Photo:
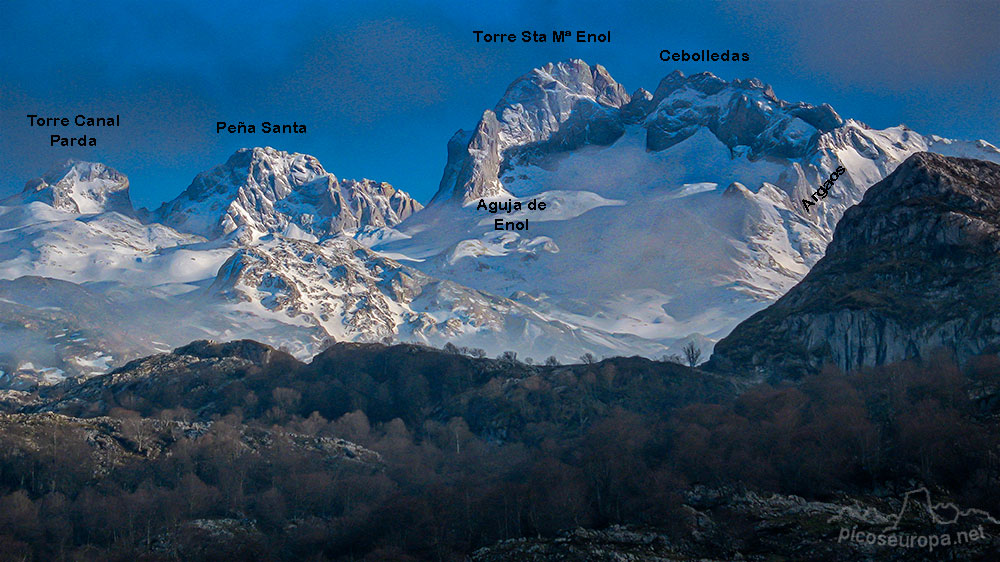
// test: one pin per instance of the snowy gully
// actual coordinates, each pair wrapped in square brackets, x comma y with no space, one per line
[824,189]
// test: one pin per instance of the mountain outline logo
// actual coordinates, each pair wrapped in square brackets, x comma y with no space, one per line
[935,510]
[941,513]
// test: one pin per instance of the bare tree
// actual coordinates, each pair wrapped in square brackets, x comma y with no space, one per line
[136,430]
[551,361]
[692,353]
[588,358]
[508,357]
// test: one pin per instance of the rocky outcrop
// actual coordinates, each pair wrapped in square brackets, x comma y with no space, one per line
[75,186]
[116,441]
[911,269]
[732,524]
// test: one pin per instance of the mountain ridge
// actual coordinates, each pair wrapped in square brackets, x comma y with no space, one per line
[78,187]
[671,216]
[266,190]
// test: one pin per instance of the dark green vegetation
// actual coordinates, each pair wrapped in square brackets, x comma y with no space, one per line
[238,451]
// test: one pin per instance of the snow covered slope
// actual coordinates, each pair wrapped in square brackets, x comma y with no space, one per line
[671,215]
[266,250]
[51,329]
[355,294]
[76,223]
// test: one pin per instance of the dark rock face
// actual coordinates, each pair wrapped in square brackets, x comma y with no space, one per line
[911,269]
[248,350]
[638,107]
[823,117]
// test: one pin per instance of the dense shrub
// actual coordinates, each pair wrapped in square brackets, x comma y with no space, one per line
[470,458]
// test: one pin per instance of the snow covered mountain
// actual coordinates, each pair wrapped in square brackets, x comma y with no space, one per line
[264,248]
[77,223]
[258,191]
[670,215]
[78,187]
[263,190]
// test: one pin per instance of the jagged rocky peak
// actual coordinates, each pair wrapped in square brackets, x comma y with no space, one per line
[558,107]
[556,86]
[705,82]
[911,269]
[392,204]
[263,190]
[277,173]
[639,105]
[564,106]
[709,84]
[739,113]
[79,187]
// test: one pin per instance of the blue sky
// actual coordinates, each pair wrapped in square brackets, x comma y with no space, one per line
[383,86]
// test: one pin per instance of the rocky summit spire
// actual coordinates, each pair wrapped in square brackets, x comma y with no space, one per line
[265,190]
[559,106]
[79,187]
